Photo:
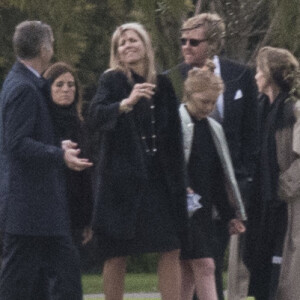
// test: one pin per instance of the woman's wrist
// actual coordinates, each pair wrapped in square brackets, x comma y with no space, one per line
[125,107]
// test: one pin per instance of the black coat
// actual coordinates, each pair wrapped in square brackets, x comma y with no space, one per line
[120,171]
[32,184]
[267,213]
[68,126]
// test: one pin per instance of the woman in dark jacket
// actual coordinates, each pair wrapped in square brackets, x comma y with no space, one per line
[139,187]
[268,214]
[65,109]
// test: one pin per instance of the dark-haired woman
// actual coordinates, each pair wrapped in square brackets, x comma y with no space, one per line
[65,108]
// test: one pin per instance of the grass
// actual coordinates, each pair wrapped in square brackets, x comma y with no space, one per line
[134,283]
[125,299]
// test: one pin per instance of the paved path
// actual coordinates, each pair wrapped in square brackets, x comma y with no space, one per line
[132,295]
[128,295]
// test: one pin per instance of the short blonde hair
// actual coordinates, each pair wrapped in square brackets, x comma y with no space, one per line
[214,30]
[201,80]
[115,62]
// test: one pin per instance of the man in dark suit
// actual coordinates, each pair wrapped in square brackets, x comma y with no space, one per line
[33,205]
[202,38]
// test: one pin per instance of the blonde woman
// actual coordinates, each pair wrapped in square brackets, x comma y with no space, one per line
[139,185]
[210,175]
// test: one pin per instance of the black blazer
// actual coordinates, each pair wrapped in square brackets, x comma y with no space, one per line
[240,121]
[120,171]
[32,186]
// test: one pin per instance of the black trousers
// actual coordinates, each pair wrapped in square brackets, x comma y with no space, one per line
[27,259]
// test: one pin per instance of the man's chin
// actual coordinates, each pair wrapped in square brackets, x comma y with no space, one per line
[189,60]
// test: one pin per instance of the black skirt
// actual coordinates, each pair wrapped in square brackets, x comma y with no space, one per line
[201,239]
[155,229]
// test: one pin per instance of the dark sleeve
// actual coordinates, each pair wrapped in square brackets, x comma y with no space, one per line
[103,112]
[20,118]
[86,201]
[173,150]
[174,139]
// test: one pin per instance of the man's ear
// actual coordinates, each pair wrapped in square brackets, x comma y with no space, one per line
[43,51]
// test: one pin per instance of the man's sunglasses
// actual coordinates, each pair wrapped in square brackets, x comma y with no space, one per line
[193,42]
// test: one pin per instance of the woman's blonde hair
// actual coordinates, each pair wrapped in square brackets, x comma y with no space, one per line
[116,63]
[281,67]
[201,80]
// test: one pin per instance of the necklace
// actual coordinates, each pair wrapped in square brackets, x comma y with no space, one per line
[153,149]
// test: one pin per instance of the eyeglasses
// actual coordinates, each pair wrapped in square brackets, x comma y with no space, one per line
[193,42]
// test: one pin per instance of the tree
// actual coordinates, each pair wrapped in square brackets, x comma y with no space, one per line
[83,28]
[253,24]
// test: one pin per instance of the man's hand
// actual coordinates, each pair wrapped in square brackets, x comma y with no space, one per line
[75,163]
[236,226]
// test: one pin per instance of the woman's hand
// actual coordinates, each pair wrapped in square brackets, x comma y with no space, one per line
[87,235]
[236,226]
[189,190]
[140,90]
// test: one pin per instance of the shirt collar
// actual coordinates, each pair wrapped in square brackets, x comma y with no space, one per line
[35,72]
[216,61]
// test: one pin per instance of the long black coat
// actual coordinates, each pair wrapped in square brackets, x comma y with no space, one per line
[267,212]
[120,170]
[68,126]
[32,183]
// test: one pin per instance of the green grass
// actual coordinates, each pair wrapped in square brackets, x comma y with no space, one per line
[126,299]
[134,283]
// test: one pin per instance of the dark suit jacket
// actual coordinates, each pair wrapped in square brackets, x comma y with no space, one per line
[120,172]
[32,187]
[240,115]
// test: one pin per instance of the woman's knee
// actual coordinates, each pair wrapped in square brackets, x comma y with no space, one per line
[115,263]
[204,265]
[171,255]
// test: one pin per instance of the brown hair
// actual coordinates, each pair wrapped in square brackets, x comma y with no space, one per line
[58,69]
[281,67]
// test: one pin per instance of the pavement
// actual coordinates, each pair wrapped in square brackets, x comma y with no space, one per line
[132,295]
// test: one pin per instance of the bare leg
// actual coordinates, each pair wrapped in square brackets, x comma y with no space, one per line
[187,280]
[169,275]
[204,274]
[114,277]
